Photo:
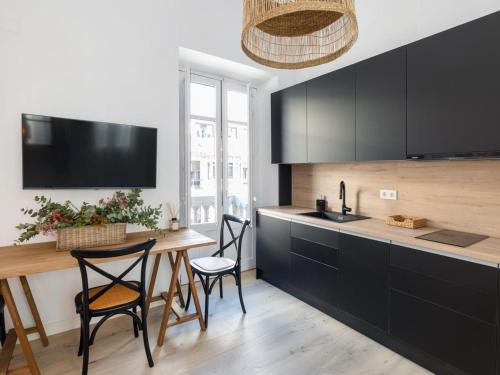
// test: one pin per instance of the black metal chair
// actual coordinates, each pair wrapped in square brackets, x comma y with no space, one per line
[118,297]
[3,332]
[218,266]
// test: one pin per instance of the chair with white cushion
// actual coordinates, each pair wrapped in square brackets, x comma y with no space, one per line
[217,265]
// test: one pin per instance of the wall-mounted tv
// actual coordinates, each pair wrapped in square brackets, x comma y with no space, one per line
[60,153]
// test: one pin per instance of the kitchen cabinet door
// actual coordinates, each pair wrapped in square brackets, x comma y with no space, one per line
[272,250]
[445,307]
[364,279]
[466,287]
[314,282]
[381,107]
[331,117]
[453,88]
[289,125]
[314,265]
[465,343]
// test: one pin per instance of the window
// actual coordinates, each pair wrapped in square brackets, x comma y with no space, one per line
[195,174]
[237,191]
[204,122]
[245,174]
[204,130]
[212,174]
[216,152]
[232,132]
[203,100]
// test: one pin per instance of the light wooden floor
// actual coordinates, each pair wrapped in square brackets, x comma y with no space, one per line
[278,335]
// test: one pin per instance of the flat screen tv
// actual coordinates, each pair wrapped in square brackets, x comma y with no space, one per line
[60,153]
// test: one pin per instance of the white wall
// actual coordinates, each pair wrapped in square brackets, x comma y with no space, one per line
[116,61]
[100,60]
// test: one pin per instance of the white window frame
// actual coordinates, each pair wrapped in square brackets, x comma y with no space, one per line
[228,85]
[221,164]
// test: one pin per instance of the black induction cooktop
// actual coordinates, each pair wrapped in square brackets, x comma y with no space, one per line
[451,237]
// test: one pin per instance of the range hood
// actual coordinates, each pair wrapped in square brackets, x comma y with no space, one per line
[482,155]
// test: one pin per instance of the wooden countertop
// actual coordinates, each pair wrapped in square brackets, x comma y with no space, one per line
[29,259]
[486,252]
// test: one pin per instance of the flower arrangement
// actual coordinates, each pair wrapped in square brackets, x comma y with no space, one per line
[122,207]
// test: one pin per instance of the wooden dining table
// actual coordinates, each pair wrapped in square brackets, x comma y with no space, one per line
[22,261]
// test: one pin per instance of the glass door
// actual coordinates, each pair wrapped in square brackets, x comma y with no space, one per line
[236,190]
[215,156]
[204,156]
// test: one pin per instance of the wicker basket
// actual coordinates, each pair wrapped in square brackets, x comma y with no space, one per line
[91,236]
[410,222]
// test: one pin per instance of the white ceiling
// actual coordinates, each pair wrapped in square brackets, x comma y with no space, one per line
[214,27]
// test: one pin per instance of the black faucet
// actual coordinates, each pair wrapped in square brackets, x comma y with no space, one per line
[345,209]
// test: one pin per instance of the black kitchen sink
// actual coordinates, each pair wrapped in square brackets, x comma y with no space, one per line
[337,217]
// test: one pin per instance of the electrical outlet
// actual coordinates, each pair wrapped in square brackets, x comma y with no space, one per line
[389,195]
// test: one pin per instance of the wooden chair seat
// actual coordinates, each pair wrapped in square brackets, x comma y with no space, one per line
[118,295]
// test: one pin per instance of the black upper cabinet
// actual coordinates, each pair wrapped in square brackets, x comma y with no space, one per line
[381,107]
[435,98]
[454,90]
[331,117]
[276,127]
[289,125]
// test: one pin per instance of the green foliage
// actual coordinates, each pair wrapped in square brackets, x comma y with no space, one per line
[120,208]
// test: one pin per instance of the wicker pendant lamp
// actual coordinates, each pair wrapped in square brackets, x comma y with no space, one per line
[295,34]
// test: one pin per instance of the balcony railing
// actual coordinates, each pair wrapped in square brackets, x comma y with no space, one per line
[203,209]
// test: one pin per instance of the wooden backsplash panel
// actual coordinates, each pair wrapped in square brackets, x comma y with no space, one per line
[461,195]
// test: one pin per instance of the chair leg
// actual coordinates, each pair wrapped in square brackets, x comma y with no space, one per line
[85,344]
[238,281]
[134,323]
[80,347]
[3,335]
[99,324]
[188,300]
[220,287]
[144,325]
[207,298]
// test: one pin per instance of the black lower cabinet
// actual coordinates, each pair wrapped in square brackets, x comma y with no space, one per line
[446,308]
[364,279]
[438,311]
[272,250]
[314,282]
[465,343]
[314,266]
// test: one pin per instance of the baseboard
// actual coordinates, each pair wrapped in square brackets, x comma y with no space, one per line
[247,264]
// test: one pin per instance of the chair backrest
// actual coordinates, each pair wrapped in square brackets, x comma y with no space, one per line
[236,240]
[83,254]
